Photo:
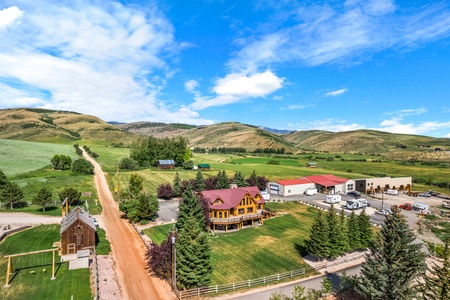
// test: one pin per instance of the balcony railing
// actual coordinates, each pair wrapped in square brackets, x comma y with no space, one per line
[237,219]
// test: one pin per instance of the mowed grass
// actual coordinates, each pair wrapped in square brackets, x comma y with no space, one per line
[29,280]
[158,233]
[275,247]
[19,157]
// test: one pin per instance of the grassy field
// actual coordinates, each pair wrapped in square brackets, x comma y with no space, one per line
[158,233]
[29,280]
[275,247]
[18,157]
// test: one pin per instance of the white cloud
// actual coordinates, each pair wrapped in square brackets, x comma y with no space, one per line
[9,16]
[296,106]
[99,58]
[336,93]
[191,85]
[395,125]
[327,125]
[335,33]
[238,86]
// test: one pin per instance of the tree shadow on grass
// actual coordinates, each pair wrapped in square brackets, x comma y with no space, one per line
[301,249]
[47,209]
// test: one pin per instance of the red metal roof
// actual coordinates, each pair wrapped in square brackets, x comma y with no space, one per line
[294,181]
[231,197]
[327,180]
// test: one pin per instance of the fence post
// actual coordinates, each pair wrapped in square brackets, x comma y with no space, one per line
[278,277]
[233,286]
[216,289]
[249,285]
[291,274]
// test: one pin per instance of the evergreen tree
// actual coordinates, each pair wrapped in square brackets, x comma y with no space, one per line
[190,208]
[252,180]
[11,193]
[147,206]
[365,229]
[222,181]
[318,244]
[437,283]
[353,232]
[43,197]
[238,179]
[72,195]
[135,184]
[394,261]
[344,239]
[3,179]
[334,233]
[193,256]
[199,182]
[177,185]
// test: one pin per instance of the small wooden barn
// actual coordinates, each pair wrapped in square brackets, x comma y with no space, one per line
[77,232]
[166,164]
[204,167]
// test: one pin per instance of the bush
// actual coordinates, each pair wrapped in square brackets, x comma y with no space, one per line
[188,165]
[165,191]
[102,247]
[128,163]
[82,166]
[61,162]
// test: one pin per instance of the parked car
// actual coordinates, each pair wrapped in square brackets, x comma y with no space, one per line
[353,194]
[424,195]
[384,212]
[95,222]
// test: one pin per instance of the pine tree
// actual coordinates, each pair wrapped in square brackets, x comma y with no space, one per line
[193,257]
[394,261]
[343,230]
[334,233]
[177,185]
[3,179]
[437,282]
[190,208]
[11,193]
[318,244]
[199,182]
[222,182]
[353,232]
[238,179]
[365,229]
[252,180]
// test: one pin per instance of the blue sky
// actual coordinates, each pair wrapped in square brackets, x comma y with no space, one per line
[297,65]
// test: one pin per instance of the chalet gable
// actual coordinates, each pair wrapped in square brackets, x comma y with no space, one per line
[232,198]
[77,214]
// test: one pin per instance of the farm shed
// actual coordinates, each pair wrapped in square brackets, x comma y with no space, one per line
[165,164]
[235,208]
[311,164]
[290,187]
[204,167]
[382,184]
[77,232]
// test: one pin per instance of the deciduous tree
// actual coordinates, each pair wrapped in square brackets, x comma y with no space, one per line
[43,197]
[72,195]
[135,184]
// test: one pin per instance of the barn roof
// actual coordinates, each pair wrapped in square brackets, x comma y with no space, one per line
[166,162]
[203,165]
[294,181]
[231,197]
[77,214]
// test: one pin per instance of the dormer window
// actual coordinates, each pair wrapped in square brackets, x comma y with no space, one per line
[217,201]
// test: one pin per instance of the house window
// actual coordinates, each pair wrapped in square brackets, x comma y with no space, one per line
[241,211]
[217,201]
[249,209]
[350,186]
[220,214]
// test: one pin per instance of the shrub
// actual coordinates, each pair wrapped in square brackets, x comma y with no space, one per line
[82,166]
[128,163]
[165,191]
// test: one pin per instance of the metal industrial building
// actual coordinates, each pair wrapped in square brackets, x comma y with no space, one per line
[382,184]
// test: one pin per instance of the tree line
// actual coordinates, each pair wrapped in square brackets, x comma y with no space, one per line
[217,182]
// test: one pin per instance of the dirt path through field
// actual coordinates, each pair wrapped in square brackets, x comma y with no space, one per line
[127,248]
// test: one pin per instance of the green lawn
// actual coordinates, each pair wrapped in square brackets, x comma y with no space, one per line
[275,247]
[19,157]
[30,281]
[158,233]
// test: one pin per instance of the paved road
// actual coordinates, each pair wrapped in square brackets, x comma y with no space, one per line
[127,248]
[288,288]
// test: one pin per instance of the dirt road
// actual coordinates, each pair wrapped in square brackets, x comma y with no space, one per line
[127,248]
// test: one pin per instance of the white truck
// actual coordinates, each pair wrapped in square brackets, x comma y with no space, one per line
[310,191]
[332,199]
[356,203]
[392,192]
[420,206]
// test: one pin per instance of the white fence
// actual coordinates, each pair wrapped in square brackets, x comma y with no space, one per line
[215,289]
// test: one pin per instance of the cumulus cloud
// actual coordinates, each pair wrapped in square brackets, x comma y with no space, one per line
[318,34]
[9,16]
[235,87]
[336,93]
[396,125]
[100,58]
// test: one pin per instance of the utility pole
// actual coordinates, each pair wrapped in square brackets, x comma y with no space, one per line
[174,258]
[118,185]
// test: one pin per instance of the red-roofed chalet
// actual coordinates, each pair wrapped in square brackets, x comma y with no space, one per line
[235,208]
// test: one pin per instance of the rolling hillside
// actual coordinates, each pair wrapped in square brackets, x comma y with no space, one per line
[42,125]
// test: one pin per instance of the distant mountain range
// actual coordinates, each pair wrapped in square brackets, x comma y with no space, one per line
[44,125]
